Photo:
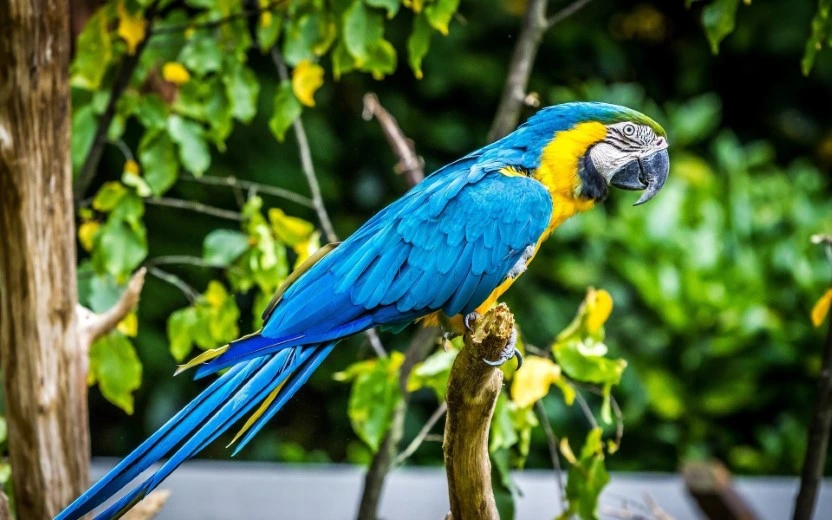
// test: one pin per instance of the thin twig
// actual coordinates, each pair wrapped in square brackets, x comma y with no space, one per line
[190,293]
[189,260]
[586,409]
[566,12]
[817,442]
[195,206]
[125,150]
[306,159]
[315,189]
[422,435]
[92,326]
[120,83]
[233,182]
[410,165]
[535,25]
[552,442]
[213,24]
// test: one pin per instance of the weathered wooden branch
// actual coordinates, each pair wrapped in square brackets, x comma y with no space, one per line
[92,326]
[473,388]
[410,165]
[149,507]
[709,483]
[45,391]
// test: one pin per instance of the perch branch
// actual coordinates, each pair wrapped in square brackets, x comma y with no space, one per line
[233,182]
[709,483]
[535,25]
[120,83]
[92,326]
[410,165]
[149,507]
[817,443]
[473,388]
[195,206]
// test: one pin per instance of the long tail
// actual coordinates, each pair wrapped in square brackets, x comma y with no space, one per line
[270,380]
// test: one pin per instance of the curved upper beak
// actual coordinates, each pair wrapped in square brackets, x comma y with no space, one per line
[646,174]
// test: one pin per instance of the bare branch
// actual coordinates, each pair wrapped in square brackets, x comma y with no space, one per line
[190,293]
[149,507]
[566,12]
[195,206]
[92,326]
[586,409]
[422,435]
[189,260]
[233,182]
[514,95]
[306,159]
[552,442]
[213,24]
[410,165]
[120,83]
[473,388]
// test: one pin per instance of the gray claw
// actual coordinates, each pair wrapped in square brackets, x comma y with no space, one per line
[507,353]
[470,319]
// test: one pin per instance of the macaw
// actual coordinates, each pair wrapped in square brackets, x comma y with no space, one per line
[448,248]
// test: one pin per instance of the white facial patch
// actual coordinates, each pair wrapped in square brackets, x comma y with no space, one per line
[624,143]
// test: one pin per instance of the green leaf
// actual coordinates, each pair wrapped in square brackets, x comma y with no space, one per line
[418,44]
[118,249]
[392,6]
[84,125]
[306,38]
[374,395]
[201,54]
[287,108]
[180,326]
[696,119]
[433,373]
[109,196]
[440,12]
[587,477]
[117,369]
[363,28]
[152,112]
[104,292]
[193,150]
[242,88]
[585,362]
[223,246]
[502,434]
[381,60]
[820,32]
[158,159]
[267,34]
[718,19]
[342,61]
[4,430]
[93,52]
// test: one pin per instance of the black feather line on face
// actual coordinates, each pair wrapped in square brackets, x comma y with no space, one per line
[593,184]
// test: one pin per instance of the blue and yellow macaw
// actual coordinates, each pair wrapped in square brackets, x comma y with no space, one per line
[450,247]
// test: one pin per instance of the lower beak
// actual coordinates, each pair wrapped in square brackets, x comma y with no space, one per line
[646,174]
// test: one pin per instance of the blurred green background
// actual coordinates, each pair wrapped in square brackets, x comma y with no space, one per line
[713,281]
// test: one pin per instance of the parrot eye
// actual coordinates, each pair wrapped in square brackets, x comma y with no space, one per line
[629,130]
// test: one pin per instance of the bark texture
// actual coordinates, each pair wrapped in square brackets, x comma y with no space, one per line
[473,388]
[43,371]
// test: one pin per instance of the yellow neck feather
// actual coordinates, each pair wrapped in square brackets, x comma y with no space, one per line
[558,170]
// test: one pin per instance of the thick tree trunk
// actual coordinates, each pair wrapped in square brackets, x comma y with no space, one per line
[42,368]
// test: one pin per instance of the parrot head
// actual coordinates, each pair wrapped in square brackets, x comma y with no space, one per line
[601,145]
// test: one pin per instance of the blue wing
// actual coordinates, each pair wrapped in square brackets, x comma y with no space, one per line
[446,245]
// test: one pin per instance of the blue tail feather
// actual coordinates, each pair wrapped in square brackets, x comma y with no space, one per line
[211,413]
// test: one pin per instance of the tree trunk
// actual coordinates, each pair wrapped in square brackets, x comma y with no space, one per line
[44,373]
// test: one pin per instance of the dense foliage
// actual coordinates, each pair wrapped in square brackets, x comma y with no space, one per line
[713,281]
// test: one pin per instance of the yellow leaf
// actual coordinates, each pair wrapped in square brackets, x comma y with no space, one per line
[86,233]
[598,309]
[306,79]
[216,294]
[821,308]
[306,248]
[132,28]
[129,326]
[566,451]
[176,73]
[265,19]
[532,382]
[131,167]
[289,230]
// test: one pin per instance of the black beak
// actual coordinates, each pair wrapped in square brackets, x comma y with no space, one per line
[645,173]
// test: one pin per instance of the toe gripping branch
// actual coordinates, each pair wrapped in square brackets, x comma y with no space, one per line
[510,349]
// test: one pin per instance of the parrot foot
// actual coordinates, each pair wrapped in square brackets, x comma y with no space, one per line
[470,319]
[508,352]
